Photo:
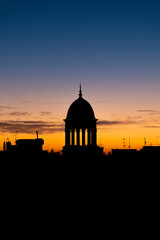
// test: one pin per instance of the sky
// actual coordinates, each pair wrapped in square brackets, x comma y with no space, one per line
[111,46]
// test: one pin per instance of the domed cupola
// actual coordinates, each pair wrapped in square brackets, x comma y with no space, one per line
[80,113]
[80,118]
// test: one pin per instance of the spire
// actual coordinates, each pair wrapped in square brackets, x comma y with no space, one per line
[80,91]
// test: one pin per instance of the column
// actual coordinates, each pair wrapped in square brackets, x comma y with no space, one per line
[91,138]
[78,140]
[72,137]
[67,137]
[89,142]
[83,137]
[94,137]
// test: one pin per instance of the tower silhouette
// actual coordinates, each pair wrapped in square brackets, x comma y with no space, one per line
[80,128]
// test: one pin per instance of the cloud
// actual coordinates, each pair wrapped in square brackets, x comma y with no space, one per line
[18,114]
[41,103]
[150,111]
[32,122]
[151,126]
[123,122]
[7,107]
[30,127]
[15,114]
[137,120]
[105,122]
[45,113]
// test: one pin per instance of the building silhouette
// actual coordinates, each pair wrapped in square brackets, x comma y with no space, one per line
[30,145]
[24,149]
[25,145]
[81,130]
[80,141]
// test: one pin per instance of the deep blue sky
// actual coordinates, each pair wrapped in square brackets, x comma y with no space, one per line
[111,46]
[66,41]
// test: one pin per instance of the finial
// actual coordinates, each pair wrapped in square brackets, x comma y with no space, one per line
[80,91]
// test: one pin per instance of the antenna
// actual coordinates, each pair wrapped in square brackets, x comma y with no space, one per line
[129,144]
[145,141]
[124,143]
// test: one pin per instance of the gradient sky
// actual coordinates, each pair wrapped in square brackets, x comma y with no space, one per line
[111,46]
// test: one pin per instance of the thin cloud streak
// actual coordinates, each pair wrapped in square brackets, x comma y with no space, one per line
[17,114]
[151,126]
[125,122]
[6,107]
[147,111]
[144,123]
[45,113]
[41,103]
[29,127]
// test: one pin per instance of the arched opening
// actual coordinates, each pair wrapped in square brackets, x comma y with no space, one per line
[80,137]
[86,139]
[75,135]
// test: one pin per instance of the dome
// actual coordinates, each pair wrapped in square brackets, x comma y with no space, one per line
[80,109]
[80,112]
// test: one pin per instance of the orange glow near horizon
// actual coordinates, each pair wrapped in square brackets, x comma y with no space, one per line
[120,116]
[109,139]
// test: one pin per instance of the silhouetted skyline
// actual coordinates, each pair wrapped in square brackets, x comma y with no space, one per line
[80,141]
[110,46]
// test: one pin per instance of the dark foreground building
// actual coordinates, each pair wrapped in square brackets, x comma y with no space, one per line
[24,149]
[146,153]
[26,146]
